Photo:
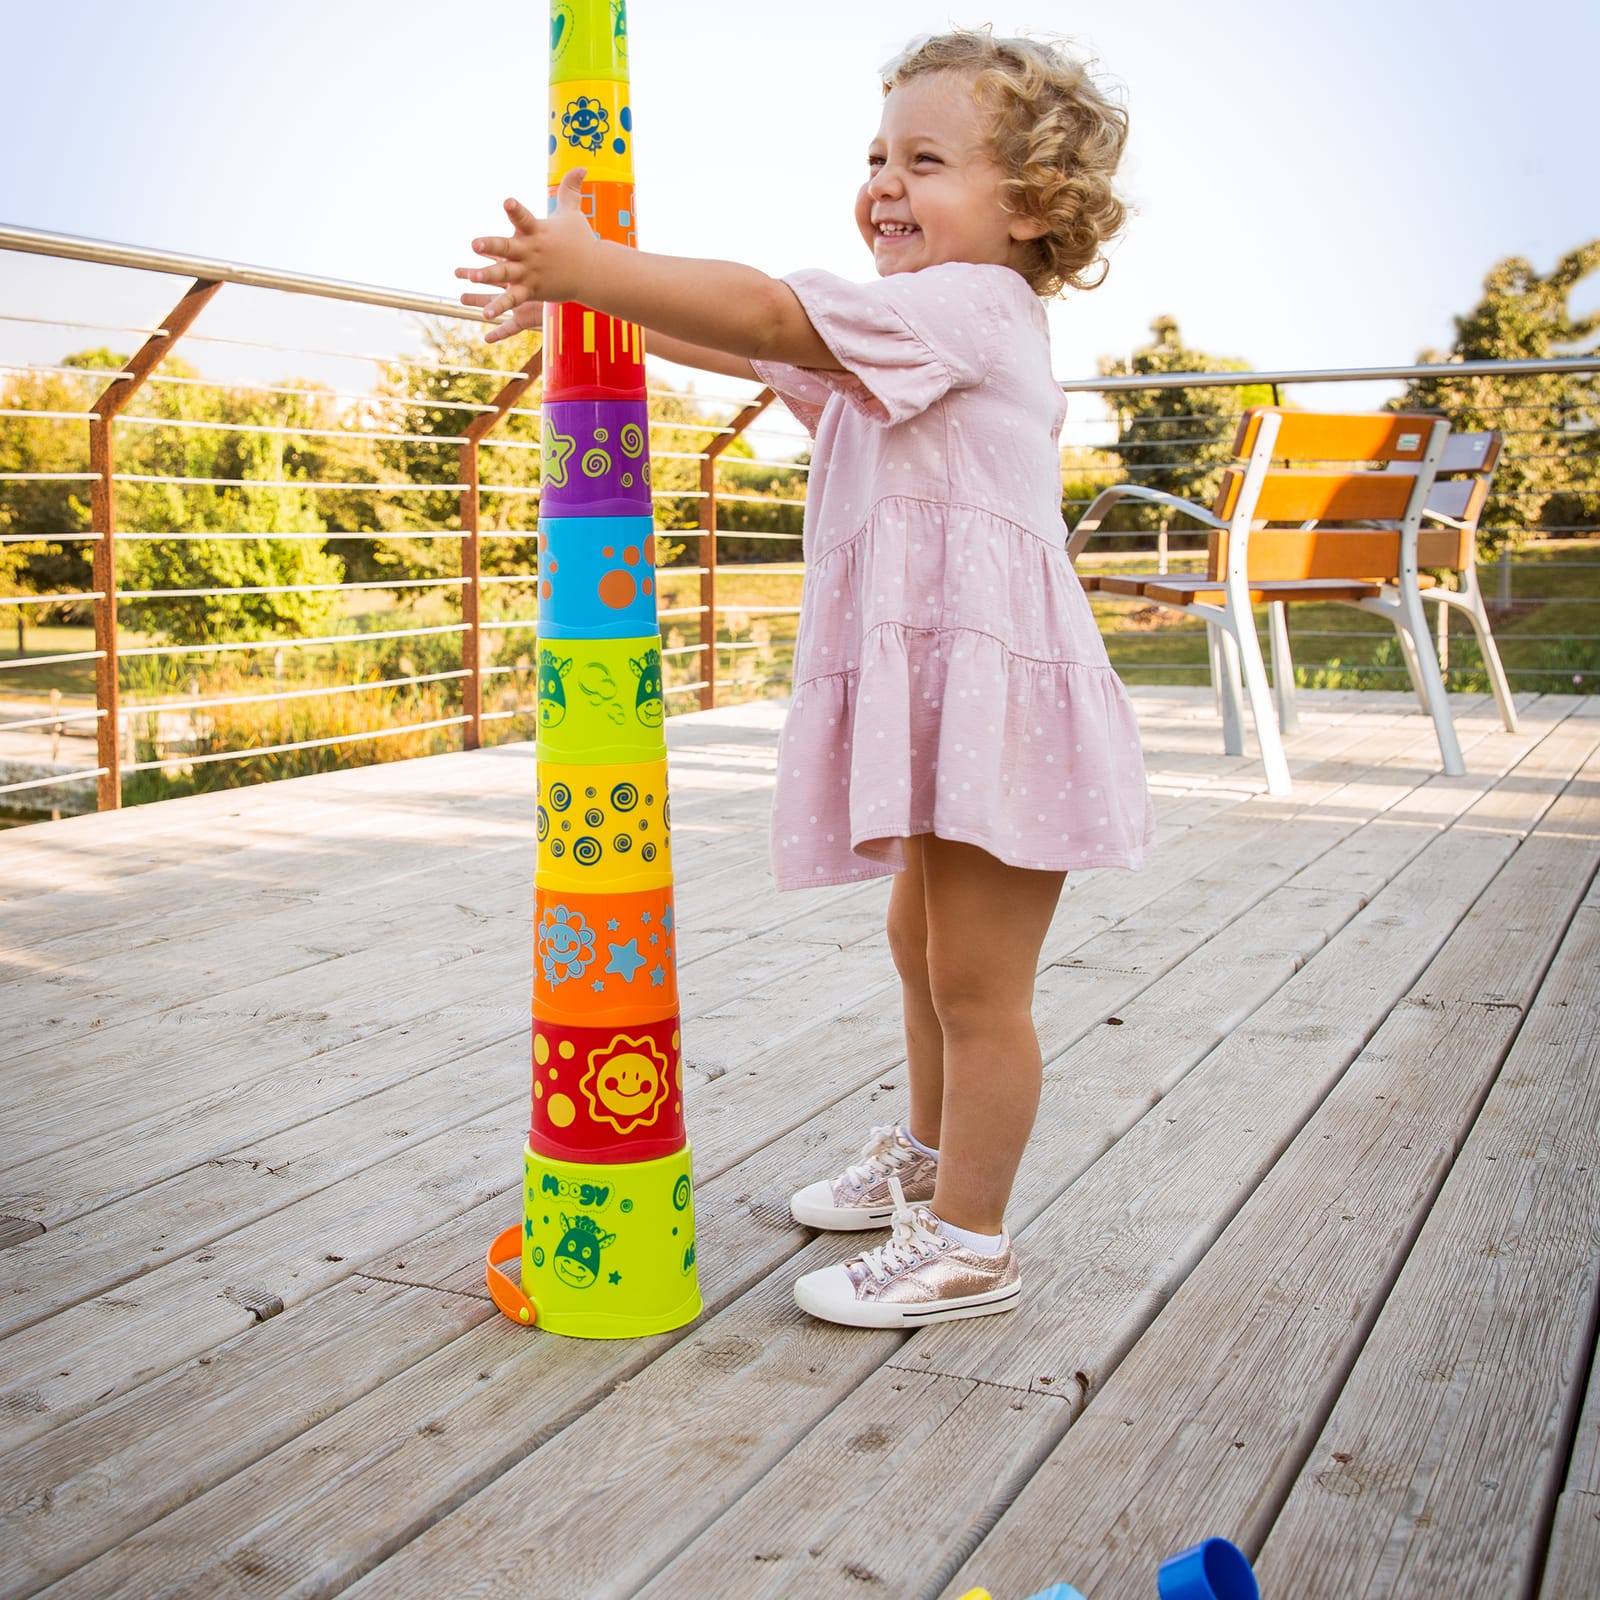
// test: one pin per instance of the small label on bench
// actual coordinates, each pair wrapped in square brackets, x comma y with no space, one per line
[1409,441]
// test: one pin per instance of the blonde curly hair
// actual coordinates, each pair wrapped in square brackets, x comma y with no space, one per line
[1056,135]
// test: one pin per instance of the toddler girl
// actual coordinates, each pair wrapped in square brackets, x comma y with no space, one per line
[955,721]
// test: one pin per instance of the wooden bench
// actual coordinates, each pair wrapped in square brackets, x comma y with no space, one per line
[1317,507]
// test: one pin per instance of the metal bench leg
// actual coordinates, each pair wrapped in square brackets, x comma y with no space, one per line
[1282,668]
[1408,653]
[1419,646]
[1225,681]
[1469,600]
[1245,649]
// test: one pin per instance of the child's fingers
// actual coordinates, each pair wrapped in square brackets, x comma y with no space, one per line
[522,219]
[495,249]
[570,192]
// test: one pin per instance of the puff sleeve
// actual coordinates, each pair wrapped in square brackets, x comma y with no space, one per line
[904,341]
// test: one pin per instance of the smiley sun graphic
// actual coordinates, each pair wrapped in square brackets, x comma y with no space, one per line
[625,1082]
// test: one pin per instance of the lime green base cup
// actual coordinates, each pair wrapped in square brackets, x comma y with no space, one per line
[608,1247]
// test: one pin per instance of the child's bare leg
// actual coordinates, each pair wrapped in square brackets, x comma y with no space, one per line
[908,944]
[986,923]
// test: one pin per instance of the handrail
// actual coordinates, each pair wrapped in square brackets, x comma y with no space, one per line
[1236,380]
[706,443]
[106,253]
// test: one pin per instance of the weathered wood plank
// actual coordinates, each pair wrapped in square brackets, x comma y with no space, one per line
[80,1489]
[104,1347]
[1441,1462]
[1574,1555]
[825,1104]
[654,1423]
[1204,1423]
[471,1274]
[1111,1250]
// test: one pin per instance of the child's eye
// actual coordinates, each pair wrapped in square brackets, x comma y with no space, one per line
[874,161]
[930,158]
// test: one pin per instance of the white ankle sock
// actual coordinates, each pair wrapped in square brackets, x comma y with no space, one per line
[916,1143]
[986,1244]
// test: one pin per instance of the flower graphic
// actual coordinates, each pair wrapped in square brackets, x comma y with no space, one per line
[585,123]
[565,944]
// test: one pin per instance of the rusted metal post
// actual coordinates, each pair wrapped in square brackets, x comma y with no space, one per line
[103,517]
[708,544]
[472,547]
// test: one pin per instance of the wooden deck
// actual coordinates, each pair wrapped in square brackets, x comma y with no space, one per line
[1309,1225]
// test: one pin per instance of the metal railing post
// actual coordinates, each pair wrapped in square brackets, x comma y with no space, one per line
[472,547]
[103,517]
[708,543]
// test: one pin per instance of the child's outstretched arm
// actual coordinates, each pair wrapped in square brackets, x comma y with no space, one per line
[696,307]
[530,316]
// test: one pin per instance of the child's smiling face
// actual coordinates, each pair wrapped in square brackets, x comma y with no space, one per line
[932,193]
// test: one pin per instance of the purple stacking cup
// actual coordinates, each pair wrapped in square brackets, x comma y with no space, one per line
[1214,1569]
[595,460]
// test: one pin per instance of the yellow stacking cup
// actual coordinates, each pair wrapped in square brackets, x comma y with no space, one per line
[603,828]
[591,126]
[608,1250]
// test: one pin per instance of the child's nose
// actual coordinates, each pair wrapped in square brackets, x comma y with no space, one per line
[884,184]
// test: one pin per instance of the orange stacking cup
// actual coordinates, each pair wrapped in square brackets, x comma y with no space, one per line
[600,959]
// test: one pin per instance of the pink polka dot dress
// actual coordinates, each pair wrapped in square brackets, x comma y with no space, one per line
[949,677]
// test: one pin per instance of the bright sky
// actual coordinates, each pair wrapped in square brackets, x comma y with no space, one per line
[1314,185]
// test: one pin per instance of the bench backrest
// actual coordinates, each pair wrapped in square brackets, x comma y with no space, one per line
[1355,471]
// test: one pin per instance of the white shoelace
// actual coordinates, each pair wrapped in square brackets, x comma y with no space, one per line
[911,1240]
[879,1155]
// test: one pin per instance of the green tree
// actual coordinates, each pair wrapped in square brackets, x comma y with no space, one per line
[199,432]
[1175,439]
[36,557]
[1549,475]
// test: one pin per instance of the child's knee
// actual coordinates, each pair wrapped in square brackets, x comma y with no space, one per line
[908,944]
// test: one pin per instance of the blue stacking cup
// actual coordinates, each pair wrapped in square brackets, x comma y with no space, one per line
[1214,1569]
[1057,1591]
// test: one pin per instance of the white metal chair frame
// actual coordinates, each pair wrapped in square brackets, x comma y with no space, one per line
[1235,648]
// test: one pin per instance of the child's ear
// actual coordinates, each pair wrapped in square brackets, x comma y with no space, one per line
[1026,228]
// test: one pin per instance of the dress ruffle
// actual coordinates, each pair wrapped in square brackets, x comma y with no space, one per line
[952,681]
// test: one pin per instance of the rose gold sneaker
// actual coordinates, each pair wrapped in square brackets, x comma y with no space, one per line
[859,1197]
[920,1276]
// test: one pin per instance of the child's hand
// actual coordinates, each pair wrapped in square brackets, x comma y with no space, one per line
[542,260]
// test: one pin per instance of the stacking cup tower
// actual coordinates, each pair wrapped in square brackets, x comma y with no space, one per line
[608,1218]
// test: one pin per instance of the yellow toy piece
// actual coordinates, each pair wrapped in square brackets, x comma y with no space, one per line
[588,39]
[603,828]
[608,1248]
[591,126]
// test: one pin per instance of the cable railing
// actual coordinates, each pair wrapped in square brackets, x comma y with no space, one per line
[221,650]
[161,694]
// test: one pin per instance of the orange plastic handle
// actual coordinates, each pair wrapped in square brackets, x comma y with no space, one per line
[504,1291]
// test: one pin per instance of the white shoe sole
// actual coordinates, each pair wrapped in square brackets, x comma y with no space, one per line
[813,1211]
[818,1302]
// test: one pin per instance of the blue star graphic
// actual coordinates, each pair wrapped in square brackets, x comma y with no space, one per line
[655,938]
[599,984]
[666,919]
[611,925]
[645,917]
[625,960]
[658,976]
